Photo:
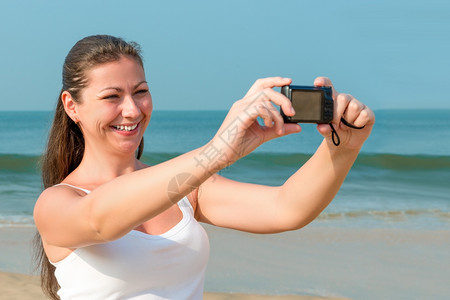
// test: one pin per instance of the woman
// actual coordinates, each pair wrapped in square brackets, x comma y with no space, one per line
[113,228]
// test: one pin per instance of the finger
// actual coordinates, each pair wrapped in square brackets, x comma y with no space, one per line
[325,81]
[288,128]
[271,117]
[263,107]
[276,98]
[265,114]
[365,117]
[268,82]
[354,108]
[340,106]
[276,118]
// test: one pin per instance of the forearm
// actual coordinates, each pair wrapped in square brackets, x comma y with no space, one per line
[306,193]
[129,200]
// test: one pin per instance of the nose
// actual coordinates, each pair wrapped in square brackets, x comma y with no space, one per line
[129,108]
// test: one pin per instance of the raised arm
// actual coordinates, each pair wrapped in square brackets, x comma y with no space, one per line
[264,209]
[69,218]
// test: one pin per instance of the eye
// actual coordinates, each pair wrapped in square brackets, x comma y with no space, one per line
[141,91]
[111,97]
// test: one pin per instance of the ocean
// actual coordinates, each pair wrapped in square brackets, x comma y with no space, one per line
[400,179]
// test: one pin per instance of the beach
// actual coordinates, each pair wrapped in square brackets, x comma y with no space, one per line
[317,262]
[26,287]
[15,286]
[16,281]
[386,235]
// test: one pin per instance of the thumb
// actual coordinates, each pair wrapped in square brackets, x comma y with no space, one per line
[288,128]
[291,128]
[324,129]
[329,133]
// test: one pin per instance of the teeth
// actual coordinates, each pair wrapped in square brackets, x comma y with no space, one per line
[126,128]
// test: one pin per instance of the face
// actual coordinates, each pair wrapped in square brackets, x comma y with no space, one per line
[115,107]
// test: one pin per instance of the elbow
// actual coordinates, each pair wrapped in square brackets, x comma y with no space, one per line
[293,218]
[97,229]
[294,213]
[105,229]
[104,232]
[292,223]
[100,225]
[99,233]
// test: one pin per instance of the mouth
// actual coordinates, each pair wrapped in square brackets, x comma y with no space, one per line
[125,128]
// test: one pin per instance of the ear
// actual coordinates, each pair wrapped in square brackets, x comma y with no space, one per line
[70,106]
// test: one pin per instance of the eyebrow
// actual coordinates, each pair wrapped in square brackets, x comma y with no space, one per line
[120,89]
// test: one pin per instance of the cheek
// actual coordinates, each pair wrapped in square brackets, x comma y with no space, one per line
[101,115]
[147,106]
[107,113]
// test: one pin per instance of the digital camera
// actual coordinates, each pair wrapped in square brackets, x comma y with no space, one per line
[312,104]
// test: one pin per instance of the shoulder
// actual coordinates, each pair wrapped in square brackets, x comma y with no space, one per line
[59,190]
[52,200]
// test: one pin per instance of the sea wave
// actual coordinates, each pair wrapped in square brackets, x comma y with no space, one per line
[16,221]
[376,215]
[18,163]
[377,161]
[386,214]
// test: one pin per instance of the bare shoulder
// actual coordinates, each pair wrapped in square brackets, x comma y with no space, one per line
[54,201]
[60,193]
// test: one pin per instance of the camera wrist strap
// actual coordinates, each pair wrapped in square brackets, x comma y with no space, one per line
[334,134]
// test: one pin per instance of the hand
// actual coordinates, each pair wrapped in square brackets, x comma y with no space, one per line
[351,110]
[240,133]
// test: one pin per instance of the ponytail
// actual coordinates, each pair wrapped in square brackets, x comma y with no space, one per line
[65,146]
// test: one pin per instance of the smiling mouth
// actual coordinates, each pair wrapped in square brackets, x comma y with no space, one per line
[125,128]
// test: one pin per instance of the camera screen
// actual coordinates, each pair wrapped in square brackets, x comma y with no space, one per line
[307,104]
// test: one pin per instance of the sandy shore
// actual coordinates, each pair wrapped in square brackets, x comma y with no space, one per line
[20,286]
[313,263]
[15,286]
[15,258]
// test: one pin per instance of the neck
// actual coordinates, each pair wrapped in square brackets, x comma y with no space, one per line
[98,167]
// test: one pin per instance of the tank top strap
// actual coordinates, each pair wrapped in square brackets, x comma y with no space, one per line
[185,204]
[75,187]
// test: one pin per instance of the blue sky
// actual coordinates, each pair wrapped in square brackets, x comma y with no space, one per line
[204,55]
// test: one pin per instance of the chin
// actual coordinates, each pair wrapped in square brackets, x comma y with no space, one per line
[128,149]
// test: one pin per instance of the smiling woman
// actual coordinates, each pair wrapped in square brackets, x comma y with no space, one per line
[66,145]
[114,110]
[111,227]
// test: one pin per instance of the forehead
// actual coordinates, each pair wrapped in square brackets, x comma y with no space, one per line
[123,71]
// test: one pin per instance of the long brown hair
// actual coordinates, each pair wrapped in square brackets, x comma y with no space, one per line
[65,147]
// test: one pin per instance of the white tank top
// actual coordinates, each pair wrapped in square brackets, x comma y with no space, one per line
[140,266]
